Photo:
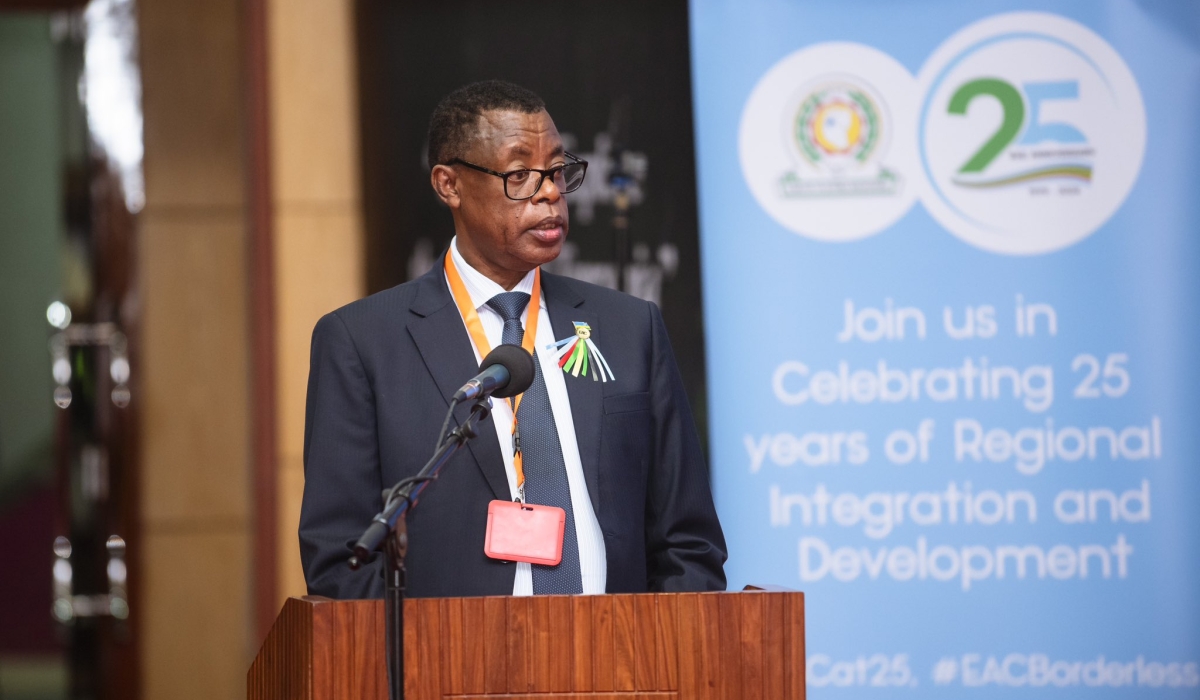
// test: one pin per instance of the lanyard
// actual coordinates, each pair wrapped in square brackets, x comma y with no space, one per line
[475,328]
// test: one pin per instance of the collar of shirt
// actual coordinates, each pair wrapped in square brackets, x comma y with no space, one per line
[479,286]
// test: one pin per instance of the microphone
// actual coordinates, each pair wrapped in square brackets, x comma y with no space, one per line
[506,371]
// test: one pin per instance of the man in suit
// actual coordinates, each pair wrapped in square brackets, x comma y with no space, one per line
[617,450]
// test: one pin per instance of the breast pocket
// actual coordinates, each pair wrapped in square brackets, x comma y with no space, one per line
[628,440]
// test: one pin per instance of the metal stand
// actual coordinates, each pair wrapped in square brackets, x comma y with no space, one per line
[390,528]
[620,181]
[393,607]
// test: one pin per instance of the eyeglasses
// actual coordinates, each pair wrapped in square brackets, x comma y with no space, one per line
[521,184]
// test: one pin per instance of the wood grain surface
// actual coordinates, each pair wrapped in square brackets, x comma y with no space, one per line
[695,646]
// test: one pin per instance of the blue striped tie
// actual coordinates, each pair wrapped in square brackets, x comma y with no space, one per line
[545,471]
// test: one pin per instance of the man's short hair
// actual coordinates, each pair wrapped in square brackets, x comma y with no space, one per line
[453,124]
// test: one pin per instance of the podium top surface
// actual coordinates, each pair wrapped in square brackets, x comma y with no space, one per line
[697,646]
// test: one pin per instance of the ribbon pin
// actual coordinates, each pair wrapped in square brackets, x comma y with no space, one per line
[577,354]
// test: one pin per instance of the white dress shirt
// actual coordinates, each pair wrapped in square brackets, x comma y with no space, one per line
[592,562]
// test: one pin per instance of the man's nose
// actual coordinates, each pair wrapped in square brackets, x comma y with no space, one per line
[548,192]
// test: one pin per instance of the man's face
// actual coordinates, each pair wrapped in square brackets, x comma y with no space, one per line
[509,237]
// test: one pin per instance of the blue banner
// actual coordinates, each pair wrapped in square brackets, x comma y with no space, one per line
[951,281]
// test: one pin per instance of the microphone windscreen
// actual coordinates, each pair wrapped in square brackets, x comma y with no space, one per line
[519,365]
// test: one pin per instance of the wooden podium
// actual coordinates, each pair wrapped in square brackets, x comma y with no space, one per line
[665,646]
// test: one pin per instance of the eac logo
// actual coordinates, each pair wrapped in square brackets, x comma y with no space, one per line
[1022,134]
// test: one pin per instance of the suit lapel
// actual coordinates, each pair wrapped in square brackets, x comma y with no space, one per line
[566,306]
[445,347]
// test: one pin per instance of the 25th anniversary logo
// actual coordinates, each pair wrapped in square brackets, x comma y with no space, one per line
[1022,134]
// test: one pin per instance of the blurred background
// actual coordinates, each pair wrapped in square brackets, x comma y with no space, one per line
[185,188]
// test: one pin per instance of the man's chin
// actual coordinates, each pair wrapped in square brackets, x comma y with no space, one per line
[541,249]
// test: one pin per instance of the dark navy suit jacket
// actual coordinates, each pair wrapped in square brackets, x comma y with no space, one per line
[381,375]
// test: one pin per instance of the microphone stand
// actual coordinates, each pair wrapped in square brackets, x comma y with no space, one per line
[390,528]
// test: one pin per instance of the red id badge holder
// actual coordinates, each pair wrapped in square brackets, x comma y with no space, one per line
[525,532]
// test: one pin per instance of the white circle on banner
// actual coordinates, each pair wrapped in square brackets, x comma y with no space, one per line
[1031,133]
[826,141]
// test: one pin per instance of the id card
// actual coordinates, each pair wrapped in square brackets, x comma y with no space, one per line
[525,532]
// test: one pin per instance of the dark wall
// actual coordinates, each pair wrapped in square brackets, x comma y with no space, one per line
[618,67]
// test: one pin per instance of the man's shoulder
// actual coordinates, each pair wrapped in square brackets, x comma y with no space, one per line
[371,311]
[596,295]
[389,305]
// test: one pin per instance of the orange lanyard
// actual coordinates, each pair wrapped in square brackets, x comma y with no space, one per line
[467,309]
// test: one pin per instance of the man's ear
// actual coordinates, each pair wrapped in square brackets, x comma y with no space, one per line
[445,184]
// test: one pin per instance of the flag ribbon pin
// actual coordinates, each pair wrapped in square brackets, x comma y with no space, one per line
[577,355]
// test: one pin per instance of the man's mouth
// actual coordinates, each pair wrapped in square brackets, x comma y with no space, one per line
[548,230]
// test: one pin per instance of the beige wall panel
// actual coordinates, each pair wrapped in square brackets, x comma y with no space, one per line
[318,267]
[291,488]
[195,449]
[314,108]
[196,618]
[318,238]
[191,95]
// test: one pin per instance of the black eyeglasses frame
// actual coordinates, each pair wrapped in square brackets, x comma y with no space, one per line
[548,172]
